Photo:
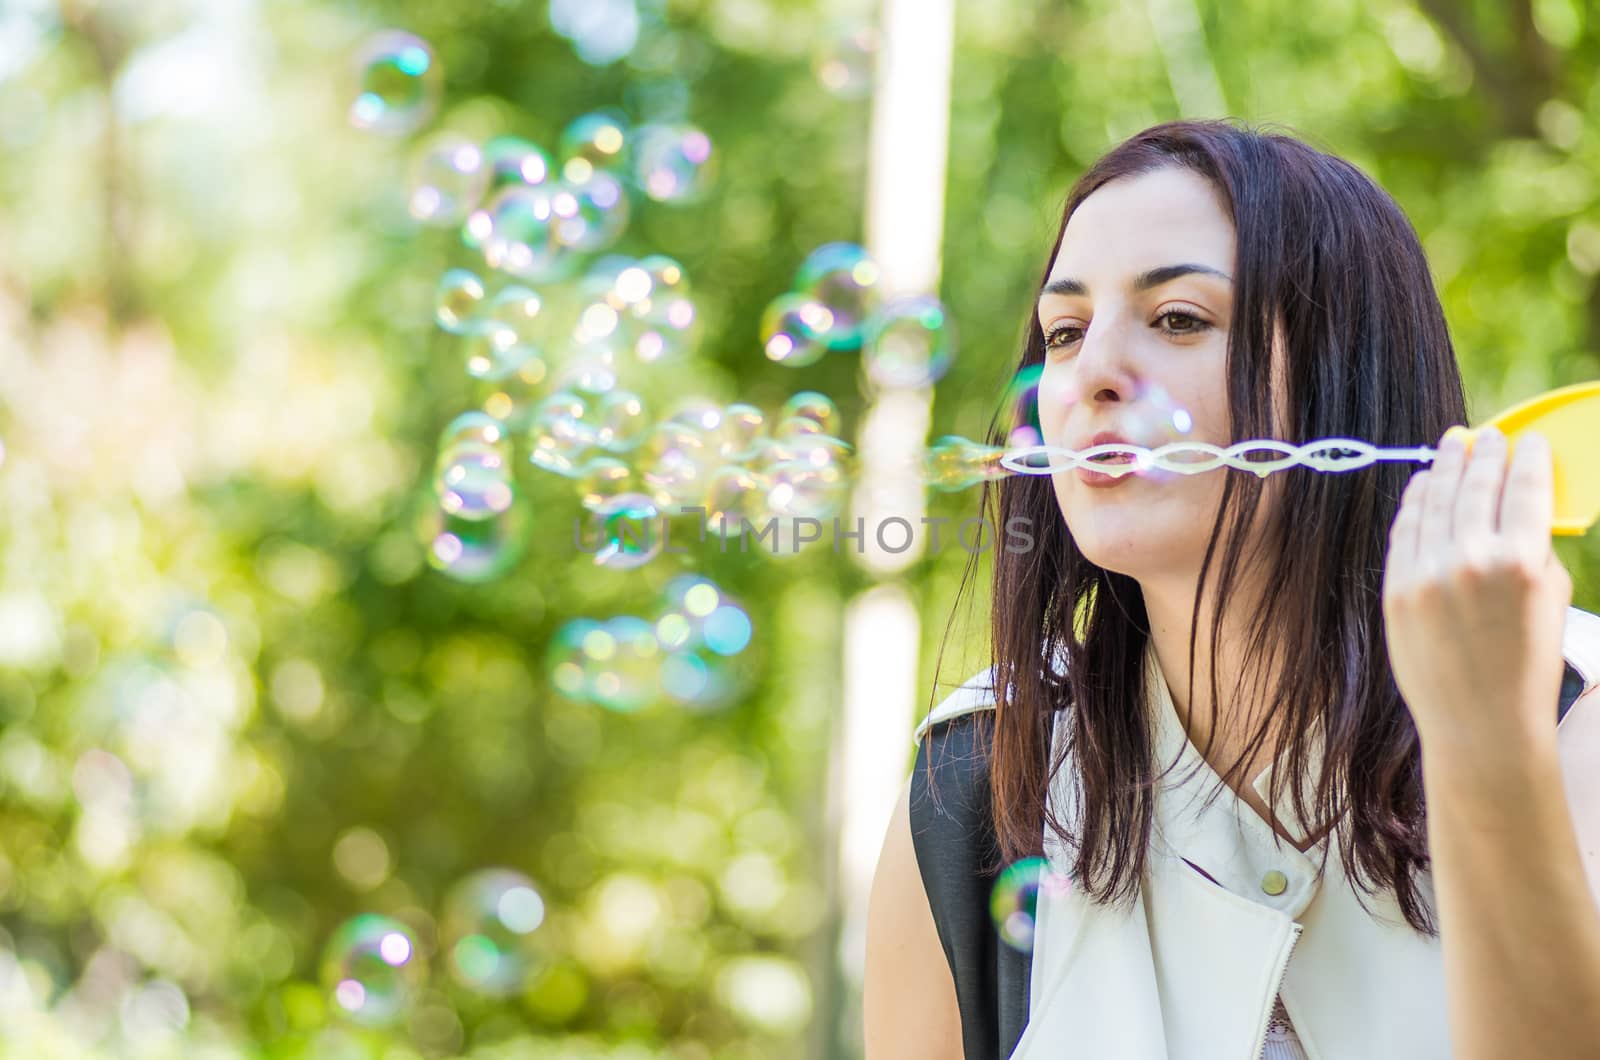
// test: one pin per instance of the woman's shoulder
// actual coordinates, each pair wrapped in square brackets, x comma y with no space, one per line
[974,695]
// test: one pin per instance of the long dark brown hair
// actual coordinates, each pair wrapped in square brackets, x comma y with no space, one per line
[1328,257]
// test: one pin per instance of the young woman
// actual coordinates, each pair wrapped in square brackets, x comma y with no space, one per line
[1316,754]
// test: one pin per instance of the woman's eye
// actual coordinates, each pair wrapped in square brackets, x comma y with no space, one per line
[1178,322]
[1060,336]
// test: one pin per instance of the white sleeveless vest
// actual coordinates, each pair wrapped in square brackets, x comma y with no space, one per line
[1192,969]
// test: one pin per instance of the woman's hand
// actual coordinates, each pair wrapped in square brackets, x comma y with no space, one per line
[1474,598]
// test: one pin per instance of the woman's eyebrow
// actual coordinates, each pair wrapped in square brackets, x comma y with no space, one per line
[1143,282]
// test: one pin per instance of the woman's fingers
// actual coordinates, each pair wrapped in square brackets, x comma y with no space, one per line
[1477,513]
[1527,506]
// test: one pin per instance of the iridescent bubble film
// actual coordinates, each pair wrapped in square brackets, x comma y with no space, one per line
[591,213]
[604,479]
[844,278]
[513,160]
[475,485]
[371,969]
[678,463]
[672,162]
[1022,407]
[592,143]
[491,930]
[398,83]
[448,178]
[514,330]
[795,330]
[458,302]
[1014,902]
[625,532]
[480,549]
[517,231]
[908,342]
[808,412]
[955,463]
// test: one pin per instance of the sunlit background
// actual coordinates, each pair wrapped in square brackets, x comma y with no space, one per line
[353,358]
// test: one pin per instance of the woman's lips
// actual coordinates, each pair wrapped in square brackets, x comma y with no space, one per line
[1102,480]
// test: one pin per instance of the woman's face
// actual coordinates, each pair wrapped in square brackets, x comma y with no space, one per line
[1135,316]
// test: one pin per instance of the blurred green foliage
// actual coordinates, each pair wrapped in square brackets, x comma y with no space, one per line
[237,708]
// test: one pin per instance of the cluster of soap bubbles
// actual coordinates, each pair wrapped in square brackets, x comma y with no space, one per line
[835,304]
[373,968]
[1014,902]
[741,472]
[687,655]
[475,532]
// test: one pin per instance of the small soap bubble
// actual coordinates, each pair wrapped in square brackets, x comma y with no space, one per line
[564,429]
[514,399]
[1155,419]
[810,405]
[908,342]
[678,464]
[797,489]
[844,278]
[517,232]
[477,550]
[458,302]
[623,424]
[657,316]
[739,433]
[794,330]
[448,178]
[592,143]
[672,162]
[1014,902]
[1022,406]
[514,330]
[627,529]
[398,83]
[490,927]
[476,485]
[513,160]
[703,630]
[954,463]
[845,62]
[475,429]
[734,497]
[628,678]
[604,478]
[590,214]
[565,659]
[371,969]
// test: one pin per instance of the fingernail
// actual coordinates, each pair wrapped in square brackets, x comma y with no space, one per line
[1458,435]
[1491,433]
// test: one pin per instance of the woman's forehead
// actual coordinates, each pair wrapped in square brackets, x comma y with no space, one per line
[1137,223]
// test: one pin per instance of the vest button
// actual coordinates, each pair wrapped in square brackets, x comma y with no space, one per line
[1274,882]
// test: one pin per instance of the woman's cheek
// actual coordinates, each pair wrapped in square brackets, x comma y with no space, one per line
[1056,398]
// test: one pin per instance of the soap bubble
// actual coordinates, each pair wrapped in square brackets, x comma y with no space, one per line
[678,464]
[399,82]
[514,399]
[739,433]
[657,316]
[1014,902]
[626,679]
[371,968]
[517,231]
[604,478]
[567,660]
[490,925]
[475,485]
[845,64]
[794,330]
[623,424]
[458,302]
[703,630]
[590,214]
[1022,405]
[475,429]
[477,550]
[820,414]
[512,160]
[954,463]
[672,162]
[844,278]
[908,342]
[734,497]
[448,178]
[564,429]
[514,328]
[628,531]
[592,143]
[801,489]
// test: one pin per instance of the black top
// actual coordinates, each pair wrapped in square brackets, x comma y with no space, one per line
[959,859]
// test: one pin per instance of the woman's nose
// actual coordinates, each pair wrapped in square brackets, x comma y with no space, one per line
[1104,374]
